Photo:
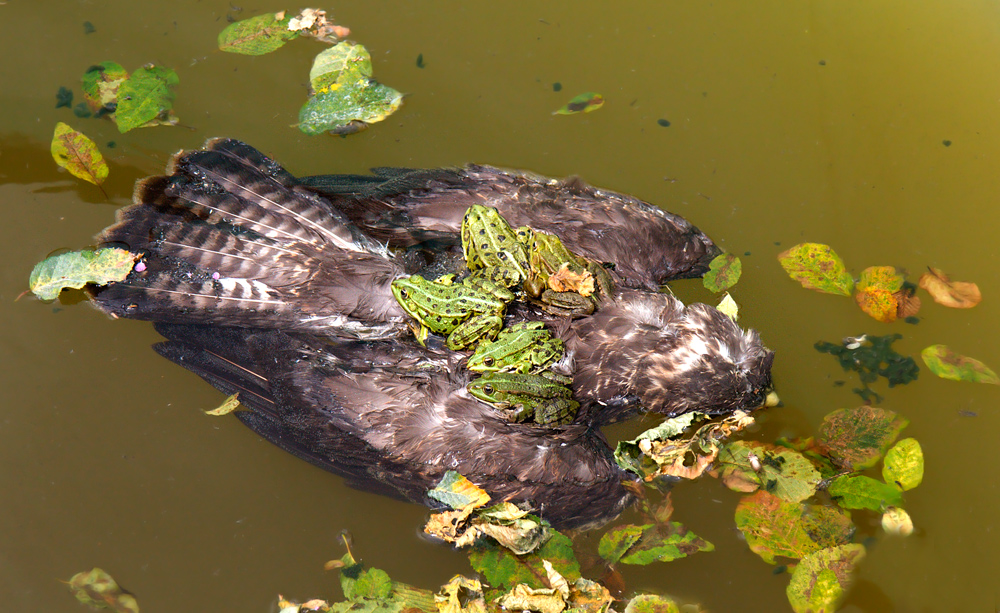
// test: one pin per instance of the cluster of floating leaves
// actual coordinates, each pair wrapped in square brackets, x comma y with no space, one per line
[884,293]
[141,99]
[872,357]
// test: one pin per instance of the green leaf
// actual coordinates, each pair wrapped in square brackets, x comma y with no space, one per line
[723,272]
[340,63]
[817,266]
[584,103]
[78,154]
[78,268]
[820,582]
[98,589]
[347,99]
[665,542]
[773,527]
[651,603]
[874,292]
[503,569]
[904,464]
[858,437]
[257,35]
[947,364]
[458,492]
[100,86]
[616,542]
[862,492]
[744,466]
[373,583]
[145,98]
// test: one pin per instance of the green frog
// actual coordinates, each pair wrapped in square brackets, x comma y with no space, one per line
[491,247]
[526,397]
[553,266]
[464,312]
[524,348]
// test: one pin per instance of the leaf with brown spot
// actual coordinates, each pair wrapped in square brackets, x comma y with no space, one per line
[908,301]
[775,528]
[565,280]
[947,364]
[78,154]
[875,292]
[584,103]
[954,294]
[723,273]
[858,437]
[821,581]
[98,589]
[817,266]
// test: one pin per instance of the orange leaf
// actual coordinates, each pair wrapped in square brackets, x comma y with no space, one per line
[954,294]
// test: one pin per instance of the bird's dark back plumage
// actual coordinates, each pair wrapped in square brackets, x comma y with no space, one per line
[395,422]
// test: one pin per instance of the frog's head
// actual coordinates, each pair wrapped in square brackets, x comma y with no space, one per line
[485,388]
[404,288]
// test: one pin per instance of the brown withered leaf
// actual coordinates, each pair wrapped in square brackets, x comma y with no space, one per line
[908,303]
[565,280]
[954,294]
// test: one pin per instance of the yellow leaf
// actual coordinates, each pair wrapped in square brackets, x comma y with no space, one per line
[228,405]
[954,294]
[78,154]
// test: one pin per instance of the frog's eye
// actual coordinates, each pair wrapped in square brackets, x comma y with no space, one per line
[403,292]
[488,389]
[488,361]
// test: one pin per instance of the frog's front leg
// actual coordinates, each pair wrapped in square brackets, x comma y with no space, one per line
[469,332]
[556,411]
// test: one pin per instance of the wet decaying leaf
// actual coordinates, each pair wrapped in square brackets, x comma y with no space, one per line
[817,266]
[458,492]
[461,595]
[876,291]
[346,98]
[289,606]
[947,364]
[820,582]
[257,35]
[723,273]
[100,87]
[314,23]
[371,590]
[78,268]
[816,451]
[954,294]
[745,466]
[78,154]
[773,527]
[857,438]
[649,543]
[584,103]
[502,569]
[230,404]
[873,357]
[660,451]
[98,589]
[566,280]
[652,603]
[897,521]
[146,99]
[904,464]
[863,492]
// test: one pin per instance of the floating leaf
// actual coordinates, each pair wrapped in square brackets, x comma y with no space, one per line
[145,98]
[98,589]
[947,364]
[858,437]
[461,595]
[650,543]
[78,154]
[820,582]
[584,103]
[347,99]
[257,35]
[875,292]
[503,569]
[773,527]
[909,303]
[897,521]
[230,404]
[458,492]
[588,596]
[313,22]
[744,466]
[728,307]
[372,591]
[862,492]
[954,294]
[64,98]
[723,272]
[78,268]
[524,598]
[100,86]
[651,603]
[904,464]
[817,266]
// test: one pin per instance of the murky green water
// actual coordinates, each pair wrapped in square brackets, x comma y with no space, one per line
[820,121]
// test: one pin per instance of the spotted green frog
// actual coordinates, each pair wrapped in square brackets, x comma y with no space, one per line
[461,311]
[491,247]
[549,260]
[524,347]
[526,397]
